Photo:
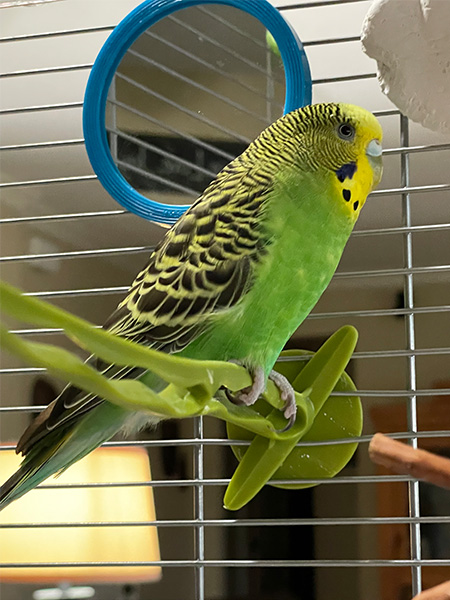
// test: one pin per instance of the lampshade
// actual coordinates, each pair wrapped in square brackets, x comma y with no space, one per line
[110,504]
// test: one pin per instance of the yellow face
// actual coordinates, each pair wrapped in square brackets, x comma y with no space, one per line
[359,136]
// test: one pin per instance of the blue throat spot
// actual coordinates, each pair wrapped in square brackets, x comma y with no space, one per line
[347,170]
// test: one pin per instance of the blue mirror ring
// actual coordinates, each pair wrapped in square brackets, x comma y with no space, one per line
[298,90]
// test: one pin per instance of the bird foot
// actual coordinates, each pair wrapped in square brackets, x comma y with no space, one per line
[250,395]
[287,394]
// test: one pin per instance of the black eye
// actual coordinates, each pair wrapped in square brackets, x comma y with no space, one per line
[346,131]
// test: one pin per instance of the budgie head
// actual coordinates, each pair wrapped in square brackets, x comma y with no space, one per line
[350,146]
[338,144]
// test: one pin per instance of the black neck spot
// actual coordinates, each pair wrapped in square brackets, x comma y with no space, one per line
[355,205]
[347,195]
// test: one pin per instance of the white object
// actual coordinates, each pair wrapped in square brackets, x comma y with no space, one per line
[410,41]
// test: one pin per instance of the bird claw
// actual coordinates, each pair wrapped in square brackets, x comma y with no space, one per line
[250,395]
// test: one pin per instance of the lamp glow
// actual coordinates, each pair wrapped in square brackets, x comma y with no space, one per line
[71,593]
[74,508]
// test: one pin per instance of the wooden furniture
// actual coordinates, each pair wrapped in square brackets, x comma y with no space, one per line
[392,498]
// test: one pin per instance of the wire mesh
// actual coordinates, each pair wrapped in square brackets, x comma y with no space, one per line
[393,285]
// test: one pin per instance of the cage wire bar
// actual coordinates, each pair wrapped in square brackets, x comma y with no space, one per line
[199,510]
[413,486]
[198,442]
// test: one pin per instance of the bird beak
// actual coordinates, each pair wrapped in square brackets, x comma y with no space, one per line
[374,151]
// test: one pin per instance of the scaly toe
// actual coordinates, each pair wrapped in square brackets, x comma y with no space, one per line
[249,395]
[287,394]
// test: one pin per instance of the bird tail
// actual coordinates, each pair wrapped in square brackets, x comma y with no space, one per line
[62,447]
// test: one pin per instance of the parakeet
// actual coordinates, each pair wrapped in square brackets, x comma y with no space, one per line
[234,277]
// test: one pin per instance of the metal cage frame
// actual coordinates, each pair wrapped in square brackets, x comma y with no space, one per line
[408,271]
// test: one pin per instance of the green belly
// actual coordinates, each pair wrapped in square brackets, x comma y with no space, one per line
[306,247]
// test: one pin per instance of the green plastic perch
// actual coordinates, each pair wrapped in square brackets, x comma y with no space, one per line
[193,389]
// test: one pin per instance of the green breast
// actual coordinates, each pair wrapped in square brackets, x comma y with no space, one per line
[308,235]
